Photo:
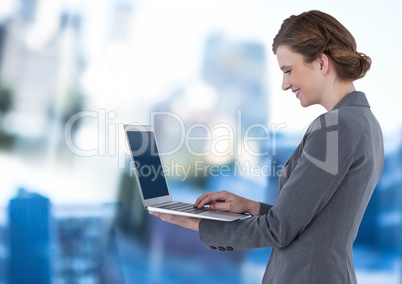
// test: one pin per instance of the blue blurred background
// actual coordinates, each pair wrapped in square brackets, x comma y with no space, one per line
[72,72]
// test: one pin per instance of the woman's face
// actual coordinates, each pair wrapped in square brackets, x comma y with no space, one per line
[304,79]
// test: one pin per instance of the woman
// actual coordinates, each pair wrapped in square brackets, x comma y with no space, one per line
[326,184]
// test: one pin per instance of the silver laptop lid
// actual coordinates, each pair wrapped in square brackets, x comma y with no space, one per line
[147,165]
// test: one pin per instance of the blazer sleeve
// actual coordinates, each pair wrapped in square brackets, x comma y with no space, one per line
[264,208]
[327,155]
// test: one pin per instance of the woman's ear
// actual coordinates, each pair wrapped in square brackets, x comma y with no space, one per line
[324,62]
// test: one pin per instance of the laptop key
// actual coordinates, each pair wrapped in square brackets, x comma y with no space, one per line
[184,207]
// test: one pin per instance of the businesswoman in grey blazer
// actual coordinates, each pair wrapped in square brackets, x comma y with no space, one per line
[327,183]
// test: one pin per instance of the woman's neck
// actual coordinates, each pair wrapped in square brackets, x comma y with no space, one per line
[336,93]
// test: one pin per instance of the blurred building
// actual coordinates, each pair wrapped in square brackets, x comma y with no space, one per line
[4,252]
[237,69]
[68,244]
[41,73]
[28,10]
[81,243]
[30,235]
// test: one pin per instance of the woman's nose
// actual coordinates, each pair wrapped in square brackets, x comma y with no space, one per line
[285,84]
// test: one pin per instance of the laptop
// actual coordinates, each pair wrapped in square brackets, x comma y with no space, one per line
[152,182]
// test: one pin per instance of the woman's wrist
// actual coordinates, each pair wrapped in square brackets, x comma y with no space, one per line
[254,208]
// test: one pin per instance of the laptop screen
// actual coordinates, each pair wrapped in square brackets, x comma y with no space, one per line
[148,164]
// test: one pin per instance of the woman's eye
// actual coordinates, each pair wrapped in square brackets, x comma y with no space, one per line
[287,72]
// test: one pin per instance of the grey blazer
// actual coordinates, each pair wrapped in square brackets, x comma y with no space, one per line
[324,190]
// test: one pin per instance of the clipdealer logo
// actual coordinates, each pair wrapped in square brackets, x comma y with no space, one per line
[331,162]
[221,139]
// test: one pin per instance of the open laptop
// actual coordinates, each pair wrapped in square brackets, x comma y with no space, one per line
[152,183]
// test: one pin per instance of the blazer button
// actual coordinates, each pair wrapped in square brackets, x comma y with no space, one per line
[229,248]
[221,248]
[212,247]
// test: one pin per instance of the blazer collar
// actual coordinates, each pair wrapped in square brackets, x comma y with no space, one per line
[355,98]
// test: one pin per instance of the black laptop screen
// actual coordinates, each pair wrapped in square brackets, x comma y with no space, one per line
[148,164]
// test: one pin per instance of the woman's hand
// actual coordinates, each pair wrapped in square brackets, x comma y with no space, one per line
[226,201]
[220,200]
[186,222]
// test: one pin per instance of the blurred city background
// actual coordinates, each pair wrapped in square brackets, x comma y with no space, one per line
[73,72]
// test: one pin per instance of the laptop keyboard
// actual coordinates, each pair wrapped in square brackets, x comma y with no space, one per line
[183,207]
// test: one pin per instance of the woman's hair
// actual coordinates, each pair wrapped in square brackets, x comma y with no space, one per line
[313,33]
